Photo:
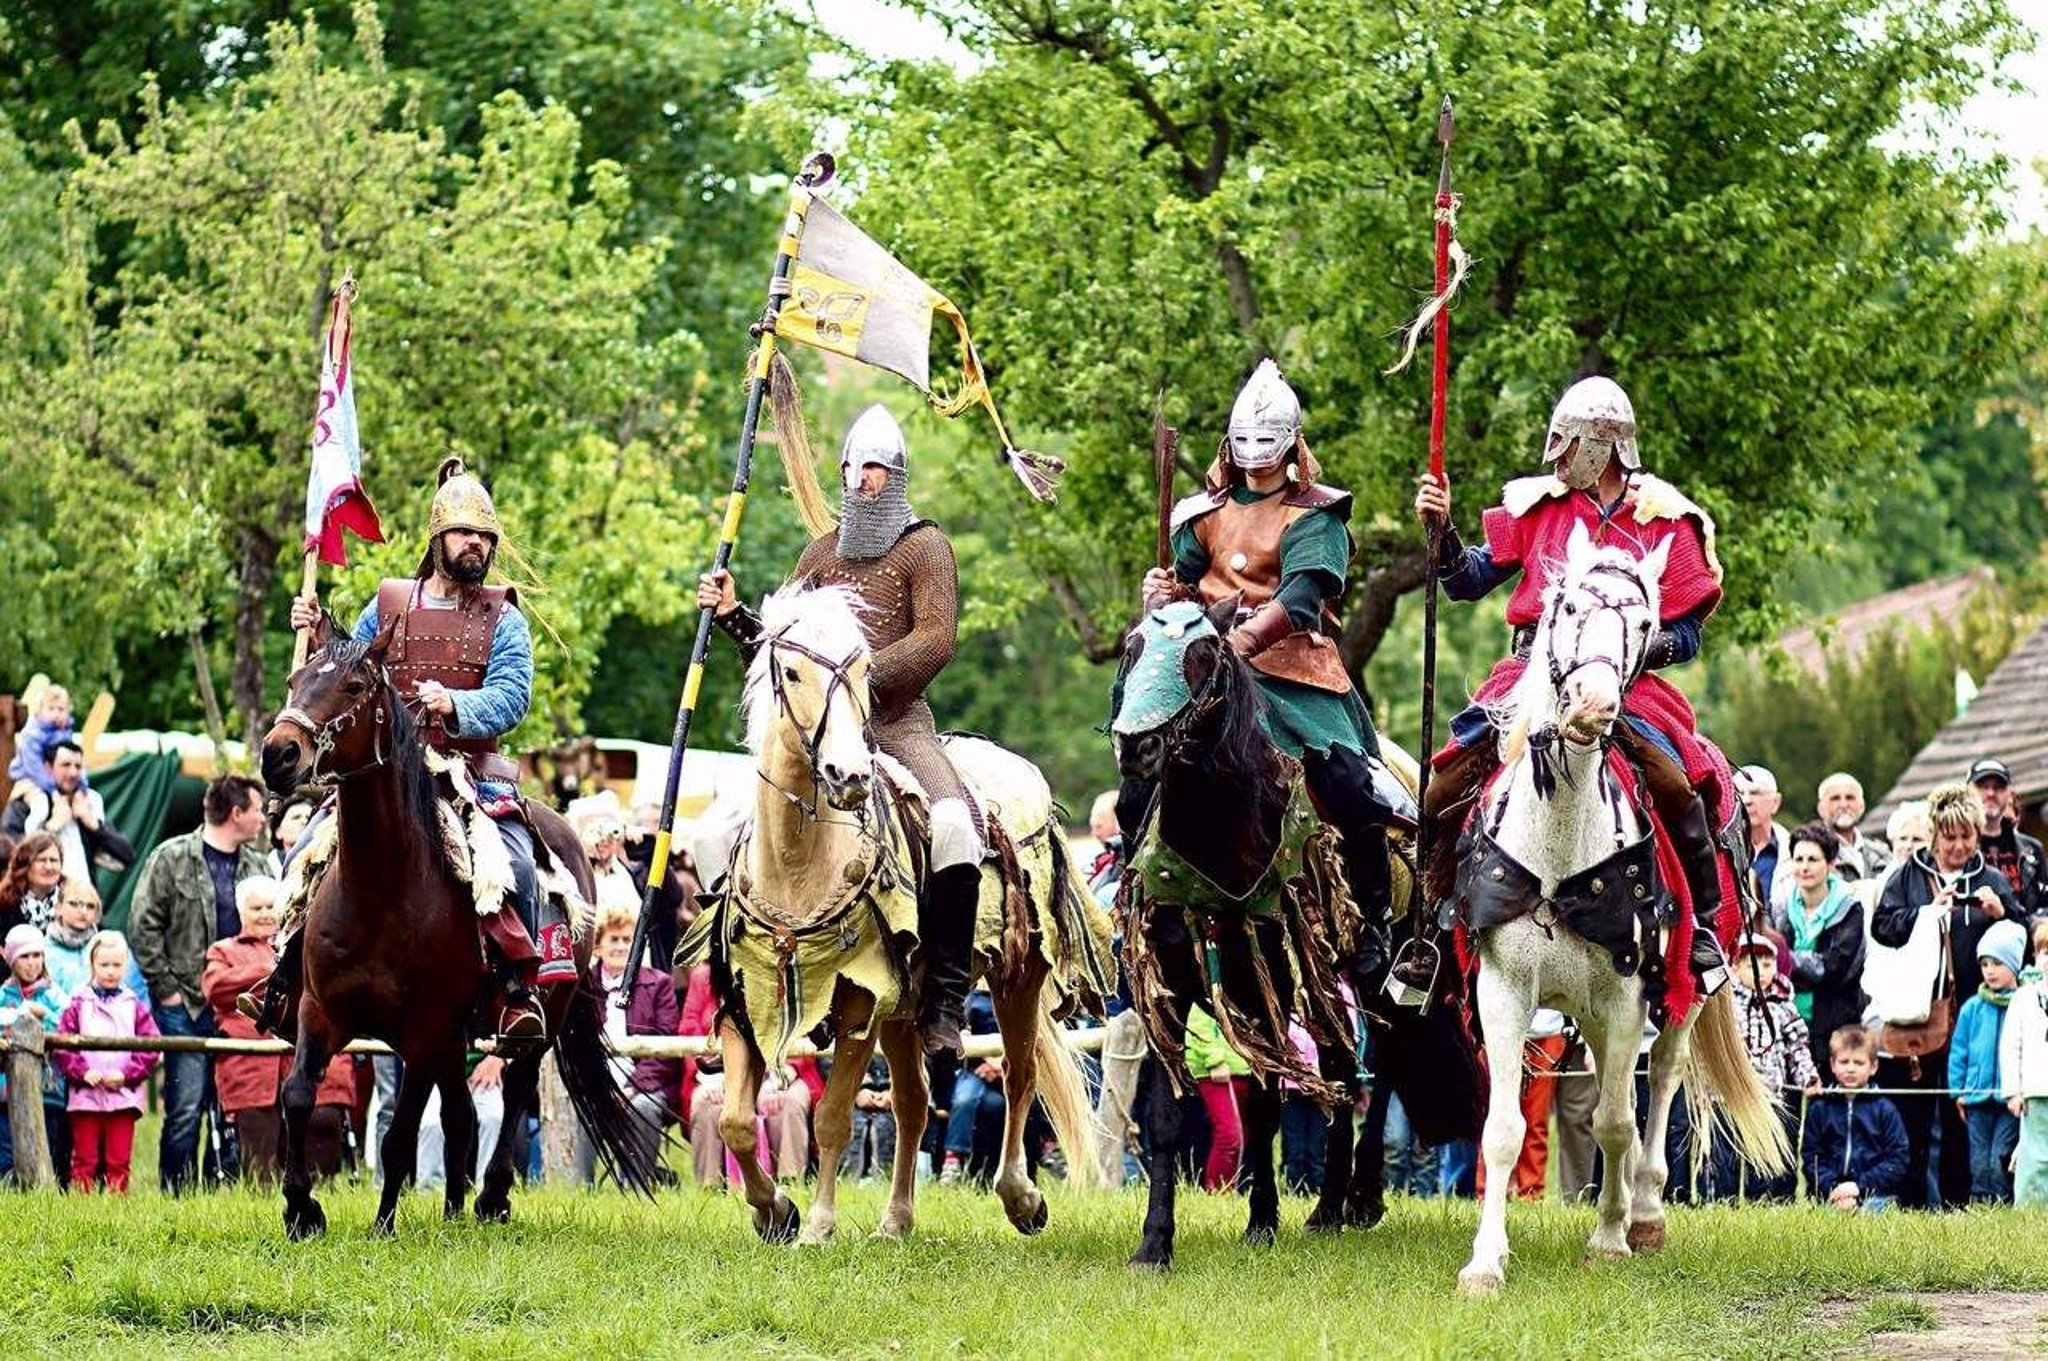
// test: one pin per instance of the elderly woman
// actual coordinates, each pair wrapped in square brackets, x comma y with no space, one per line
[248,1084]
[602,827]
[654,1085]
[1950,878]
[1823,923]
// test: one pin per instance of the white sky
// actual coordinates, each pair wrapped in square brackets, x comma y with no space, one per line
[2016,123]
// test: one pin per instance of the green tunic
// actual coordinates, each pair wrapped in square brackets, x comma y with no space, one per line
[1299,718]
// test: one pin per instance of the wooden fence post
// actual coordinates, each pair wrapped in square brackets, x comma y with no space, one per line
[24,1054]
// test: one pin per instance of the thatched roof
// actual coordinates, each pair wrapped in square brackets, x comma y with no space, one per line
[2008,719]
[1846,632]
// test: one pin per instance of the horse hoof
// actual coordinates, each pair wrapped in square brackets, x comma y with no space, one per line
[1259,1236]
[1364,1214]
[1146,1264]
[1479,1284]
[779,1222]
[384,1226]
[1033,1223]
[1320,1223]
[1646,1237]
[304,1223]
[891,1230]
[1594,1257]
[493,1211]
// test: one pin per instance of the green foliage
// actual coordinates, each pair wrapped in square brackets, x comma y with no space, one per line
[1867,714]
[499,316]
[1713,204]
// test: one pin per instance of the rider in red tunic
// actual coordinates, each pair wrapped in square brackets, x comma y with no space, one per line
[1597,481]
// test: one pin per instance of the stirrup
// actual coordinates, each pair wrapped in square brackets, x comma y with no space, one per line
[1413,973]
[521,1022]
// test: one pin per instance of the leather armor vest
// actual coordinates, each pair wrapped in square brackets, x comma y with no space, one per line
[452,646]
[1243,543]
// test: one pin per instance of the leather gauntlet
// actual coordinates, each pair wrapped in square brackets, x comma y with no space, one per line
[1265,626]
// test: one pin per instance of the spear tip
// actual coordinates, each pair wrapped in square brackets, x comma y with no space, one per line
[1444,124]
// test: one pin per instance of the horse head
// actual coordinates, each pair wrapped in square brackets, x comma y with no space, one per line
[1175,675]
[807,694]
[341,715]
[1594,637]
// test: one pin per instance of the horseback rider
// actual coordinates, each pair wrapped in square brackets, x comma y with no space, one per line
[902,569]
[1596,480]
[1264,531]
[462,658]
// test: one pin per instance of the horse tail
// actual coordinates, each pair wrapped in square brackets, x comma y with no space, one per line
[1748,1112]
[1065,1094]
[605,1112]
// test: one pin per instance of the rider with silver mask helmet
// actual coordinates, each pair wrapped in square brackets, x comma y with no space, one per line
[1265,531]
[1596,480]
[902,569]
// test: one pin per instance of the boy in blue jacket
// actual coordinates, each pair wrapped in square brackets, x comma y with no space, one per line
[1855,1145]
[1973,1062]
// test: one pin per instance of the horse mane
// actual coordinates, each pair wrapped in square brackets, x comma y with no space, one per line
[826,619]
[1241,743]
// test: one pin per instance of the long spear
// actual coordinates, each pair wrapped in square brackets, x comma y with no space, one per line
[1410,980]
[816,173]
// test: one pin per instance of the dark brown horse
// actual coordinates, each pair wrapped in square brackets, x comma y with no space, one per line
[391,949]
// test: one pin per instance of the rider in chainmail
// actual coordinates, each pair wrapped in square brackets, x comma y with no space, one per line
[902,569]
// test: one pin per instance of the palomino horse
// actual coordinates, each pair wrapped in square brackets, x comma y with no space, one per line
[392,951]
[819,900]
[1556,836]
[1237,903]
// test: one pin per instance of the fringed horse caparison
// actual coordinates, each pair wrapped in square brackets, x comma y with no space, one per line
[1235,901]
[392,950]
[815,930]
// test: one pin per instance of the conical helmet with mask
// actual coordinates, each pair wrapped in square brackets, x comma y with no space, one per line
[1265,421]
[1597,415]
[869,526]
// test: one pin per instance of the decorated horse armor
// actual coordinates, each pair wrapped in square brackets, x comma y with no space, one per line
[1282,554]
[1592,434]
[901,567]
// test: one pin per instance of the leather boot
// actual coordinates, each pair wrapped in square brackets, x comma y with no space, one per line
[1452,788]
[1700,855]
[945,929]
[1372,888]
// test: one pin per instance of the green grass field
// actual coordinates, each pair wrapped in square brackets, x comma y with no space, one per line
[596,1274]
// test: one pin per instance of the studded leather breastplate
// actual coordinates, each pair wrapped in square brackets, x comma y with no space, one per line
[452,646]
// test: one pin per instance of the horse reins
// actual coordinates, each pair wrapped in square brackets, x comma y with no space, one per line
[810,740]
[324,735]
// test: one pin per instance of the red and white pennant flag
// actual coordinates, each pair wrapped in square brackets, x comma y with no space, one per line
[335,499]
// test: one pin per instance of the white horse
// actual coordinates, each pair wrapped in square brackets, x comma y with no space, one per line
[1555,813]
[820,897]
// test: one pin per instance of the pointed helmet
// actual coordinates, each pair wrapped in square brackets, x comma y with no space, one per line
[462,502]
[870,526]
[1265,421]
[1596,413]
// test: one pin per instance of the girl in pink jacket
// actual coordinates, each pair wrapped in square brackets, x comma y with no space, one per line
[106,1084]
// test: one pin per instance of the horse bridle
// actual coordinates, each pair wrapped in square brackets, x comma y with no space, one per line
[810,740]
[1180,730]
[1607,604]
[324,735]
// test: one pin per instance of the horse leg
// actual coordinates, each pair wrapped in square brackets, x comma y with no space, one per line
[1646,1204]
[317,1043]
[1017,1017]
[1367,1203]
[458,1137]
[1505,1006]
[775,1215]
[910,1098]
[832,1121]
[1614,1128]
[1165,1127]
[1259,1113]
[520,1092]
[1329,1214]
[400,1153]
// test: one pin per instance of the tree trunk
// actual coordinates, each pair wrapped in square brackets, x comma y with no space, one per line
[252,608]
[1399,570]
[202,670]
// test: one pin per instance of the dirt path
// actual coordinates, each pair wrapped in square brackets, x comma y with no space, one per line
[1958,1324]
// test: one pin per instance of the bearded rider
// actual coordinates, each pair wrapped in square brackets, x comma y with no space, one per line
[462,657]
[902,569]
[1597,481]
[1263,531]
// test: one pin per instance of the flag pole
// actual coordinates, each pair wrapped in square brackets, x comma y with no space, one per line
[816,173]
[309,569]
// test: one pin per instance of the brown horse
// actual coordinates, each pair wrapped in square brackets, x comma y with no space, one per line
[391,949]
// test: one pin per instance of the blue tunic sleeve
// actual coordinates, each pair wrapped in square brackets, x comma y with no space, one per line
[367,623]
[496,707]
[1468,573]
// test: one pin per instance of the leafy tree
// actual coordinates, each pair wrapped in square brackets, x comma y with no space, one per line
[1712,202]
[499,317]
